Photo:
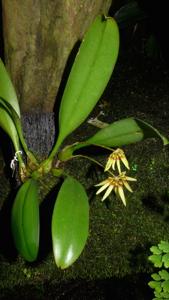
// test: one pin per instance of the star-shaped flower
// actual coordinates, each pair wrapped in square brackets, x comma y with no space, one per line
[116,184]
[115,158]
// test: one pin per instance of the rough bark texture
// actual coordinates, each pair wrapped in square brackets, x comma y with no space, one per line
[39,130]
[39,36]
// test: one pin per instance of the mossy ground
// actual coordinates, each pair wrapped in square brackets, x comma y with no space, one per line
[115,258]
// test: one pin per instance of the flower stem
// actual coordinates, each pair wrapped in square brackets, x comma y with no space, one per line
[89,158]
[92,160]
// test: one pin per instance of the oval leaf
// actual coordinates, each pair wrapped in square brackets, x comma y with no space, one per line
[119,133]
[124,132]
[70,223]
[90,74]
[156,277]
[7,90]
[25,220]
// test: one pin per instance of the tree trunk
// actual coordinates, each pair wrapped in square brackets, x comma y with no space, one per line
[38,37]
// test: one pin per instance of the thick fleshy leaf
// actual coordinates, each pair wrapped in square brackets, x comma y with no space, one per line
[7,90]
[16,133]
[124,132]
[90,74]
[70,223]
[16,120]
[7,124]
[25,220]
[150,131]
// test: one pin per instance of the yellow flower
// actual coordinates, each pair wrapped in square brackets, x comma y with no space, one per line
[116,184]
[115,158]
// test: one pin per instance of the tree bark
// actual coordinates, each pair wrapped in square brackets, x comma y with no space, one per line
[38,37]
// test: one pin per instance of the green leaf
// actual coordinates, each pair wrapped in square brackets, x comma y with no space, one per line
[150,131]
[119,133]
[155,285]
[156,277]
[155,250]
[25,220]
[164,295]
[89,75]
[70,223]
[158,296]
[164,274]
[156,260]
[16,120]
[165,260]
[7,124]
[165,286]
[123,132]
[164,246]
[8,127]
[7,90]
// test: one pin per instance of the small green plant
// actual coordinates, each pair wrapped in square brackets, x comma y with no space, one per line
[160,259]
[88,78]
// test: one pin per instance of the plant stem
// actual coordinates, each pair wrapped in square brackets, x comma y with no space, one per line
[55,148]
[91,159]
[67,152]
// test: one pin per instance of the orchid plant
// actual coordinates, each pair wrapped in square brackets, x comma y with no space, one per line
[90,73]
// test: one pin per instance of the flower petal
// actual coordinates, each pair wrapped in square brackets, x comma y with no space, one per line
[113,164]
[127,186]
[102,183]
[109,190]
[102,188]
[118,165]
[130,178]
[125,162]
[108,165]
[121,194]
